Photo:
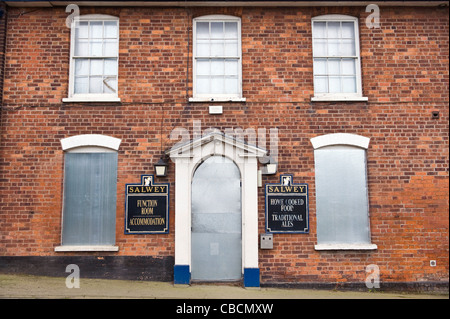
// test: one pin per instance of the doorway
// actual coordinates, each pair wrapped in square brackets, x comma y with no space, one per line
[216,233]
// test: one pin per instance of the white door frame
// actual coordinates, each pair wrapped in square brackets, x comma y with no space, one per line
[186,158]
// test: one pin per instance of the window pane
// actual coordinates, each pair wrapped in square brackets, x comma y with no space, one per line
[231,30]
[335,84]
[110,67]
[96,29]
[320,66]
[217,67]
[111,29]
[348,47]
[110,48]
[231,48]
[231,67]
[334,30]
[333,47]
[96,67]
[81,47]
[349,84]
[217,30]
[82,67]
[231,85]
[202,85]
[203,48]
[203,67]
[348,66]
[334,66]
[81,85]
[95,85]
[110,84]
[217,85]
[202,30]
[348,30]
[81,29]
[95,48]
[320,84]
[319,30]
[217,48]
[320,47]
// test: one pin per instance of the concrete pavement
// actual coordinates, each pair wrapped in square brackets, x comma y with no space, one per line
[25,286]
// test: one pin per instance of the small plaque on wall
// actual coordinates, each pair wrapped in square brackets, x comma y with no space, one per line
[287,209]
[147,207]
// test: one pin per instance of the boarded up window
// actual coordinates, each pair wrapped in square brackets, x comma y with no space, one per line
[89,212]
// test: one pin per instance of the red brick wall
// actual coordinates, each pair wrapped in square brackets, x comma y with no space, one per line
[2,44]
[405,75]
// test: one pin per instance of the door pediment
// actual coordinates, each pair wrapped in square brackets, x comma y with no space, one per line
[218,139]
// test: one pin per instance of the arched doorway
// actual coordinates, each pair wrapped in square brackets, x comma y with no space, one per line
[216,221]
[188,158]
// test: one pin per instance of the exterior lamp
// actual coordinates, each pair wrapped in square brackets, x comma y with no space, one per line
[270,168]
[161,168]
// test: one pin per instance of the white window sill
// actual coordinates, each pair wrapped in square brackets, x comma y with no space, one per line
[86,248]
[217,99]
[339,98]
[345,247]
[90,99]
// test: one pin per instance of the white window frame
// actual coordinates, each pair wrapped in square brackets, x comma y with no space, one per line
[358,96]
[216,97]
[90,97]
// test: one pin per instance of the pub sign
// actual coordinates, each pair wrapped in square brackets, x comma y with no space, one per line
[147,207]
[287,209]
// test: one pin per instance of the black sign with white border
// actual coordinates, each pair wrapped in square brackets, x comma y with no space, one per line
[287,206]
[147,207]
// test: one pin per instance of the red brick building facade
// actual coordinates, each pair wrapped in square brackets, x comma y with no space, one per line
[402,108]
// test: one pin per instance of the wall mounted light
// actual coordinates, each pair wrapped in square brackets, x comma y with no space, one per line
[270,168]
[161,168]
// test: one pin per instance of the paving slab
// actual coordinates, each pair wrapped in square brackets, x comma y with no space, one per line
[26,286]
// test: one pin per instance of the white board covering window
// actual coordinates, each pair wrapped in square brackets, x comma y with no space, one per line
[336,58]
[94,58]
[89,202]
[342,205]
[217,69]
